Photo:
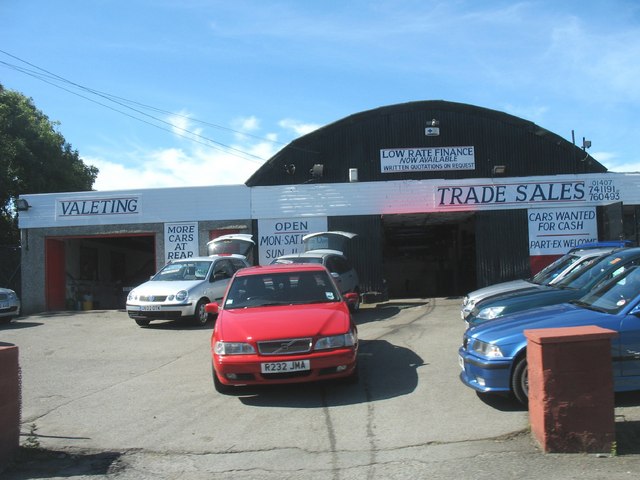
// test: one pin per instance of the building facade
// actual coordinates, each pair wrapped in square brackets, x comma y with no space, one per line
[444,197]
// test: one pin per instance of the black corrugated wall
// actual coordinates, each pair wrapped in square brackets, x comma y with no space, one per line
[502,246]
[365,250]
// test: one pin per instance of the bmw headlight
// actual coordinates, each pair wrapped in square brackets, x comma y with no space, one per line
[233,348]
[486,349]
[490,313]
[337,341]
[182,295]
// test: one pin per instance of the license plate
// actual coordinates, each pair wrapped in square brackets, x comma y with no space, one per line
[461,362]
[150,308]
[283,367]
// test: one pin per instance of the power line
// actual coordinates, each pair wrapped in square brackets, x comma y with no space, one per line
[51,79]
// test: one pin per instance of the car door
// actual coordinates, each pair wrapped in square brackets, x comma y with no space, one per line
[238,264]
[344,275]
[221,273]
[629,344]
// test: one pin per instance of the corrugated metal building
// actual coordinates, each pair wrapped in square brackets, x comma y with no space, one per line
[431,254]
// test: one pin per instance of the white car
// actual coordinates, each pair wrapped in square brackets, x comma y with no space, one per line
[9,305]
[182,288]
[327,248]
[574,260]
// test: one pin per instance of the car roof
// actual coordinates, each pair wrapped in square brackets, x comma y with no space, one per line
[625,253]
[208,259]
[594,252]
[281,268]
[312,254]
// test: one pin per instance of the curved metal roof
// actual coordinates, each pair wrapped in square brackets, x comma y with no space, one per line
[498,138]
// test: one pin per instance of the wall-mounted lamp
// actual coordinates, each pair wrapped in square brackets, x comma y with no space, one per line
[585,144]
[22,205]
[290,169]
[499,169]
[317,170]
[353,175]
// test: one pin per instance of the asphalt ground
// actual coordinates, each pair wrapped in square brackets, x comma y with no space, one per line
[104,398]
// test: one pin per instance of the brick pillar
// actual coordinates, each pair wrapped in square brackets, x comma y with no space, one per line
[571,399]
[9,403]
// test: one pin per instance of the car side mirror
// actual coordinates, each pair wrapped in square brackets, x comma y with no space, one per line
[635,311]
[212,308]
[335,274]
[219,276]
[351,297]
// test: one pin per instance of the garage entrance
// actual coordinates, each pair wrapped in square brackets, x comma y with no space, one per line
[429,255]
[96,272]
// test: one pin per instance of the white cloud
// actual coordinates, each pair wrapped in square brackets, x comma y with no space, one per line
[191,164]
[614,164]
[533,113]
[298,127]
[182,126]
[174,168]
[247,124]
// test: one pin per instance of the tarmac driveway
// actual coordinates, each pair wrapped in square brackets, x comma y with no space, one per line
[120,400]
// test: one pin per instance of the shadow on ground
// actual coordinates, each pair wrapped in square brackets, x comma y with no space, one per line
[386,371]
[32,463]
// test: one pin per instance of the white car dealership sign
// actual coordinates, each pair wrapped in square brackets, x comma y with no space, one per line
[396,160]
[554,231]
[98,206]
[180,240]
[283,236]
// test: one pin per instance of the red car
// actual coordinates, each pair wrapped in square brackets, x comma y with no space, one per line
[283,324]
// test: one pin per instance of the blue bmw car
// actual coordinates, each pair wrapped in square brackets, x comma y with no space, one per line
[572,287]
[493,354]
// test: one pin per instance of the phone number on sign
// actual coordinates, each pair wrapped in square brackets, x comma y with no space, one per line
[600,190]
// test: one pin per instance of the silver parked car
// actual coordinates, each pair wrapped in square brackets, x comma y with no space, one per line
[9,305]
[327,249]
[182,288]
[571,262]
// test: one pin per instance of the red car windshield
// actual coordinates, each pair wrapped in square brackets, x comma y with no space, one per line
[281,289]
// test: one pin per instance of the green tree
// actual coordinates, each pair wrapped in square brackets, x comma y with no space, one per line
[34,158]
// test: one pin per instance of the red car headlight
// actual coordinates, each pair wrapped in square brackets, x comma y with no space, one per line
[337,341]
[233,348]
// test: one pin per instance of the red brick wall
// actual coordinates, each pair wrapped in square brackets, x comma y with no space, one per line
[9,403]
[571,398]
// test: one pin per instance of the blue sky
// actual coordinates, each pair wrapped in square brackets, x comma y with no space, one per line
[202,92]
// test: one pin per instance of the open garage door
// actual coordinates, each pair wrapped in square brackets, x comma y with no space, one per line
[610,222]
[429,255]
[96,272]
